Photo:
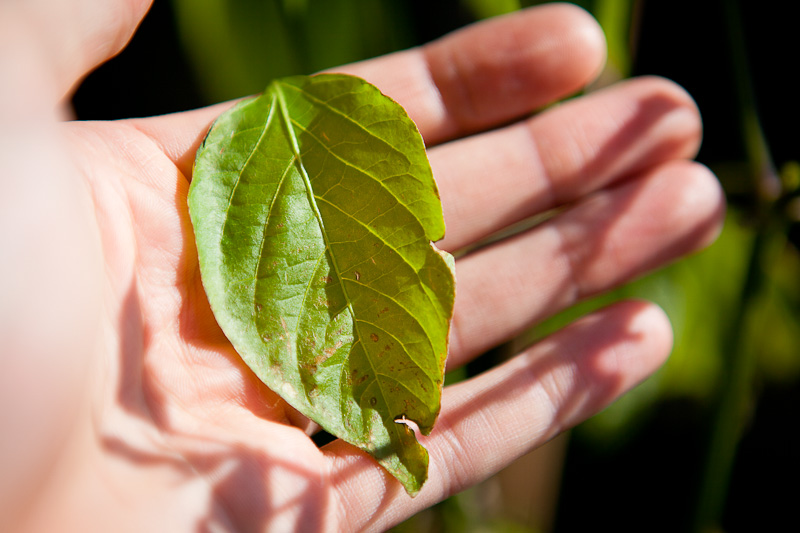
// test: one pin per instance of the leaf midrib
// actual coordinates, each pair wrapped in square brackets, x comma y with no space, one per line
[345,116]
[312,200]
[373,135]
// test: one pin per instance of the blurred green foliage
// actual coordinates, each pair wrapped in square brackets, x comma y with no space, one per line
[237,47]
[482,9]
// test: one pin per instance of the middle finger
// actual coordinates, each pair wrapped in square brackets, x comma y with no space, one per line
[494,179]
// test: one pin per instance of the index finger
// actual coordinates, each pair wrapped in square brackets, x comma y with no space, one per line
[473,79]
[490,73]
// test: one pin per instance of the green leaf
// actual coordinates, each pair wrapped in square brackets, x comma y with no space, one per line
[314,208]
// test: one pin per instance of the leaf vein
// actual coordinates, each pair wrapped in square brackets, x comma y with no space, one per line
[264,232]
[244,166]
[398,304]
[366,171]
[312,200]
[401,256]
[400,342]
[345,116]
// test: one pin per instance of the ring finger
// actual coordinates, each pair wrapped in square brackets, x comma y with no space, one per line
[601,242]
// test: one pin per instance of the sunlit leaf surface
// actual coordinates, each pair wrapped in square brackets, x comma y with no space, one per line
[314,209]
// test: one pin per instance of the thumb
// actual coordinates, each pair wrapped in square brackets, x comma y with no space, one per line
[47,46]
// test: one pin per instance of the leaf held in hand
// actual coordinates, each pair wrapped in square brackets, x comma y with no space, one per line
[314,208]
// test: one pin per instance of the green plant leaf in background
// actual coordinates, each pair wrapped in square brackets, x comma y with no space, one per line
[237,47]
[482,9]
[314,208]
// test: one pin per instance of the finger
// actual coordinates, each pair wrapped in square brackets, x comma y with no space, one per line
[603,241]
[489,73]
[483,75]
[492,180]
[491,420]
[47,46]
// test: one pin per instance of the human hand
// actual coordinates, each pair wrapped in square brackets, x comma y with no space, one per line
[135,412]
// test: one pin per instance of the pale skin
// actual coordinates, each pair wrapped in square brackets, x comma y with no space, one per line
[124,408]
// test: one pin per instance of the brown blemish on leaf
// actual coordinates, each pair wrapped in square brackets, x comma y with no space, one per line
[326,279]
[310,368]
[373,401]
[319,359]
[353,379]
[384,310]
[287,335]
[329,351]
[373,337]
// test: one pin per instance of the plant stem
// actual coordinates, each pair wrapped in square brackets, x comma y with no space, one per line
[735,399]
[766,181]
[736,395]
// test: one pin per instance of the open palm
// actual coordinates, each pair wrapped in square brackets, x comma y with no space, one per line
[173,432]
